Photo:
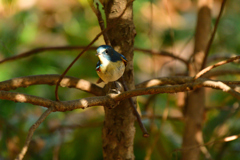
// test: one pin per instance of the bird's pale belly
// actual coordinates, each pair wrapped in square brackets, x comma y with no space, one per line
[112,71]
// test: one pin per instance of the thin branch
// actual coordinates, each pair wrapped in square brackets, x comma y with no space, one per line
[31,131]
[88,46]
[225,139]
[213,34]
[144,130]
[66,48]
[162,53]
[165,81]
[220,57]
[207,69]
[100,20]
[43,49]
[221,73]
[51,79]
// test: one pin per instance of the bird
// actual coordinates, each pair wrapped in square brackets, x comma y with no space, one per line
[111,64]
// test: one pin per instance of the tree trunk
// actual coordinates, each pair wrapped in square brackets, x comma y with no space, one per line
[118,130]
[196,100]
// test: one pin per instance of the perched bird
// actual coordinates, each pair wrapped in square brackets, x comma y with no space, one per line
[111,64]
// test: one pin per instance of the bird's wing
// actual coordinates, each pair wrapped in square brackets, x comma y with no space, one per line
[98,66]
[124,59]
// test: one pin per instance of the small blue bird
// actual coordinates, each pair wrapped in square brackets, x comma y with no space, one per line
[111,64]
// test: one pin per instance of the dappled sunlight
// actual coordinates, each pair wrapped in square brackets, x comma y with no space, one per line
[64,82]
[20,98]
[153,82]
[84,102]
[83,85]
[17,81]
[231,138]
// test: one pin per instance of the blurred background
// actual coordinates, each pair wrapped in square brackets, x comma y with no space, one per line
[167,25]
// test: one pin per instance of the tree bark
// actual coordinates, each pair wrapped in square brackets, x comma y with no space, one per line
[196,100]
[118,130]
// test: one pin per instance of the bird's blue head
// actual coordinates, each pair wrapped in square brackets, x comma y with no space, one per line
[106,52]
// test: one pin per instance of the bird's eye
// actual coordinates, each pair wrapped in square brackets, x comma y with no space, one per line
[106,51]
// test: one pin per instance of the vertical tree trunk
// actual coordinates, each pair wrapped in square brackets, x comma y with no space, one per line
[196,100]
[118,129]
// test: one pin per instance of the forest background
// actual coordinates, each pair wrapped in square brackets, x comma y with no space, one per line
[165,29]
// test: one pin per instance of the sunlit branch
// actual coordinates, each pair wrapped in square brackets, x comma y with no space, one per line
[219,57]
[221,73]
[104,100]
[165,81]
[68,48]
[51,79]
[207,69]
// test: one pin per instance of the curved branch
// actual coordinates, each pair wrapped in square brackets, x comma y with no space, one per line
[100,20]
[43,49]
[58,106]
[51,79]
[165,81]
[221,73]
[31,131]
[207,69]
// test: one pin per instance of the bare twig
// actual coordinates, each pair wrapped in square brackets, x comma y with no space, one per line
[51,79]
[31,131]
[205,70]
[100,20]
[66,48]
[221,73]
[213,34]
[43,49]
[219,57]
[144,130]
[225,139]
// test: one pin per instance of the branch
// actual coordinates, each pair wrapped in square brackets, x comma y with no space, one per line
[144,130]
[66,48]
[100,20]
[164,81]
[205,70]
[51,79]
[220,57]
[162,53]
[221,73]
[31,131]
[43,49]
[213,34]
[104,100]
[225,139]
